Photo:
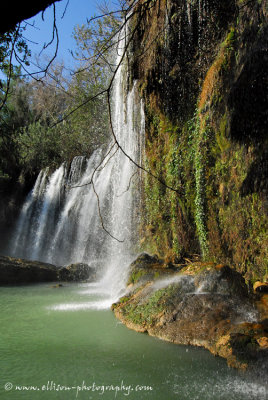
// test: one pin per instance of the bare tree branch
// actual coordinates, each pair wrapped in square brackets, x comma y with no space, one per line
[43,71]
[78,107]
[106,162]
[103,15]
[54,32]
[109,43]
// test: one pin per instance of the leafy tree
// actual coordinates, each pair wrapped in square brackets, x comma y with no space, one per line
[90,80]
[12,46]
[31,137]
[39,146]
[15,115]
[12,112]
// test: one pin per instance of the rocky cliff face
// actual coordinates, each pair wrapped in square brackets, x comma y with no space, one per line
[202,70]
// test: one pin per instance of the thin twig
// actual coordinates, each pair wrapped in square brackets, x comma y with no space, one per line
[128,186]
[65,9]
[104,165]
[78,107]
[103,15]
[32,25]
[100,215]
[96,169]
[45,70]
[105,47]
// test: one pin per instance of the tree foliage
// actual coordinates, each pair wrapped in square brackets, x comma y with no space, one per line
[30,137]
[13,41]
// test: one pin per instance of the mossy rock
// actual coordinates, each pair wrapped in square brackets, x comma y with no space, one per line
[145,260]
[223,280]
[147,268]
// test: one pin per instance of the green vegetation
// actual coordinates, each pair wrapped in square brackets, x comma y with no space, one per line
[166,211]
[200,160]
[32,134]
[136,276]
[212,152]
[147,312]
[12,42]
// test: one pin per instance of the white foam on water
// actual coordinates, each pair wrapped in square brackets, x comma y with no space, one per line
[91,305]
[232,388]
[95,297]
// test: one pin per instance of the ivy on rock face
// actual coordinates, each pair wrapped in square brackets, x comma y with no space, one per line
[203,80]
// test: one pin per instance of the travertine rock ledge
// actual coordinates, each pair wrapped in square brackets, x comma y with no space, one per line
[203,304]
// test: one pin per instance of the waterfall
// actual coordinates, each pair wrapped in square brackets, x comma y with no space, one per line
[62,221]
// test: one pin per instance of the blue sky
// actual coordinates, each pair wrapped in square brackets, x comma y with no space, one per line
[77,12]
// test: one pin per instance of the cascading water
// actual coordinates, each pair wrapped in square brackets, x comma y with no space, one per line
[63,220]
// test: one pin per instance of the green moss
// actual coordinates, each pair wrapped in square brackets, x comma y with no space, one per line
[221,135]
[202,161]
[146,313]
[124,299]
[200,182]
[247,2]
[229,44]
[156,275]
[220,211]
[136,276]
[165,216]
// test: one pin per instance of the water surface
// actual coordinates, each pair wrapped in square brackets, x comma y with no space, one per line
[64,343]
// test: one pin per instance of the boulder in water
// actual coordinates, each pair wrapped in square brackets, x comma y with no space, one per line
[15,271]
[77,272]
